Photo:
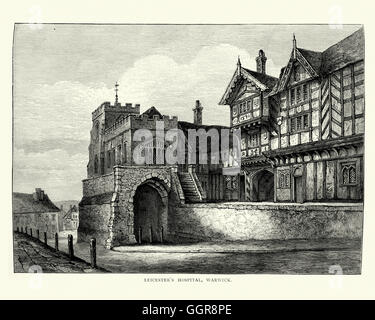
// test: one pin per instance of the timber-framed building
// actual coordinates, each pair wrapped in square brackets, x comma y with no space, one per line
[302,134]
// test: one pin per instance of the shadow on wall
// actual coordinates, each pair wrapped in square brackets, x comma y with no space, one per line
[233,222]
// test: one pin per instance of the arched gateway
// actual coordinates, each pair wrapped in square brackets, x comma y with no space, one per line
[262,186]
[139,205]
[150,207]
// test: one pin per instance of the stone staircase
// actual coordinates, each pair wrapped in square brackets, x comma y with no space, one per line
[189,187]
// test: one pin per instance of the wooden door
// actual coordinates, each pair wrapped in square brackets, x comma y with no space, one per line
[298,190]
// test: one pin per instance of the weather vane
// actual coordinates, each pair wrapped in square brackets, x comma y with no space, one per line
[116,90]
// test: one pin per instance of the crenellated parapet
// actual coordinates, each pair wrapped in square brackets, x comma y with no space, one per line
[106,106]
[141,122]
[145,122]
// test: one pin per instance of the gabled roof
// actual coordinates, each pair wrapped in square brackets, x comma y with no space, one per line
[314,58]
[262,81]
[25,203]
[68,214]
[151,112]
[344,52]
[266,79]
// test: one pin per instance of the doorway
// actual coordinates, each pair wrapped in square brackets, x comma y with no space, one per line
[148,209]
[263,186]
[298,190]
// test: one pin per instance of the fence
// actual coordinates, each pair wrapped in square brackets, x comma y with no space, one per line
[56,243]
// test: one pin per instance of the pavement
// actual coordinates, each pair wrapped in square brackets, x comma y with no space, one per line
[31,255]
[249,246]
[245,257]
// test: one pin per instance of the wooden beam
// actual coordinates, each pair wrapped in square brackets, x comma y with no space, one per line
[320,109]
[315,195]
[330,107]
[342,100]
[353,98]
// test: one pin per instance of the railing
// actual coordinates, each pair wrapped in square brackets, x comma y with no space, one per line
[56,243]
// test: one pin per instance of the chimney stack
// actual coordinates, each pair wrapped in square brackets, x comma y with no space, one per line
[261,62]
[198,112]
[38,195]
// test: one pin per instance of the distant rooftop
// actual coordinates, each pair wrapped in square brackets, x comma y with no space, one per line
[37,202]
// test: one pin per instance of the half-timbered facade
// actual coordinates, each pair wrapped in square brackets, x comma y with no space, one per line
[311,127]
[252,111]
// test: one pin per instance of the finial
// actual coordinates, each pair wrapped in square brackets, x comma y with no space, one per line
[116,90]
[239,65]
[294,46]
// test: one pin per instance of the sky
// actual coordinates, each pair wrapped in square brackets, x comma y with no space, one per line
[63,72]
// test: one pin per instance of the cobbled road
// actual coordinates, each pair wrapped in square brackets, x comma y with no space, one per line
[31,255]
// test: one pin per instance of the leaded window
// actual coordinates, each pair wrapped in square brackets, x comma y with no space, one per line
[299,94]
[284,179]
[349,173]
[254,140]
[299,123]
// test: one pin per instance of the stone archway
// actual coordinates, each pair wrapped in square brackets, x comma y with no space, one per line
[150,209]
[263,186]
[129,181]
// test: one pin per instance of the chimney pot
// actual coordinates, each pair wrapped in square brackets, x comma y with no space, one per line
[261,62]
[198,112]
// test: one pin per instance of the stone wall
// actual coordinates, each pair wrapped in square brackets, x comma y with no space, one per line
[95,208]
[44,222]
[127,180]
[94,220]
[244,221]
[107,209]
[98,185]
[109,215]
